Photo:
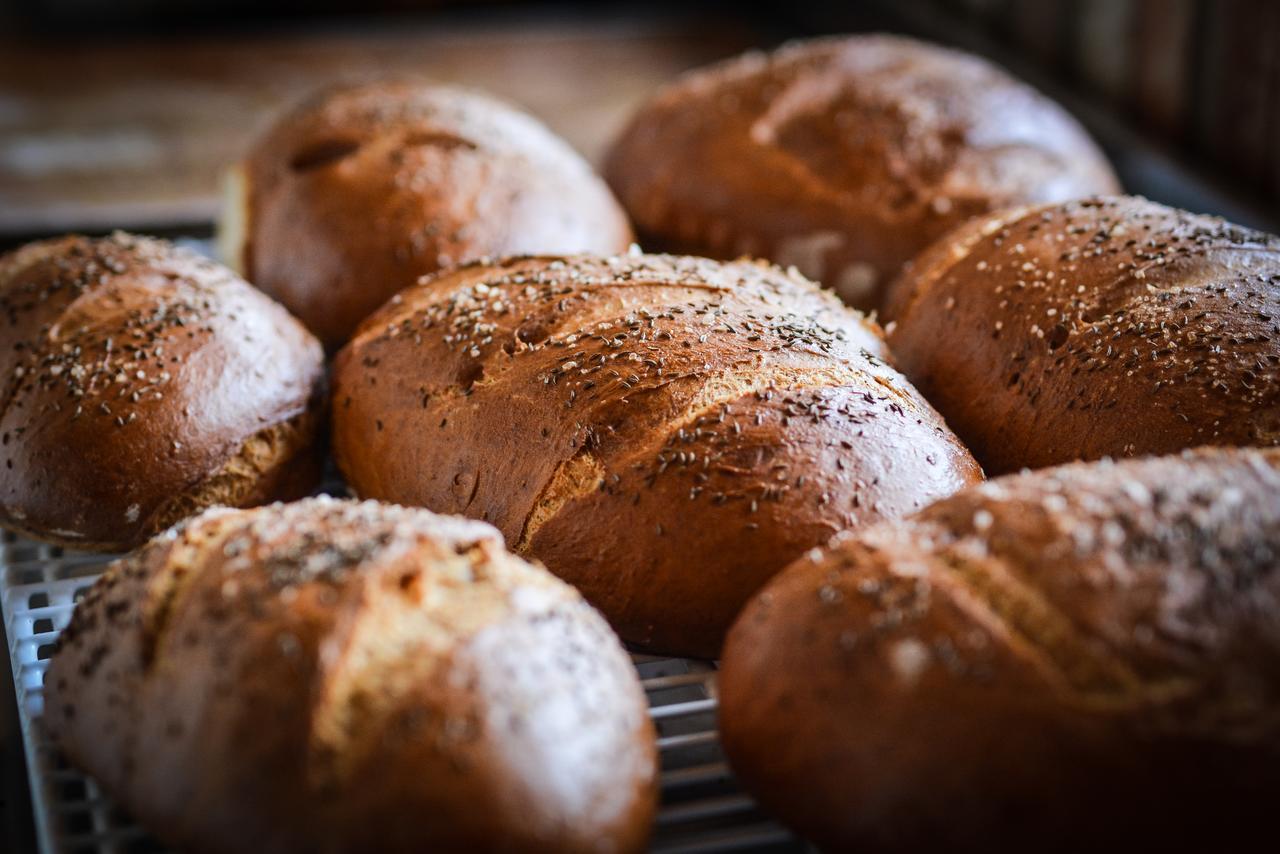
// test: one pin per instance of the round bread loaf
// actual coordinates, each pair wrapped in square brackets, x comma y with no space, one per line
[1103,327]
[143,383]
[362,189]
[665,433]
[843,156]
[1078,659]
[334,676]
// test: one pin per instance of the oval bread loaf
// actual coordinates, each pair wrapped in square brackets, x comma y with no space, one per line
[143,383]
[843,156]
[333,676]
[1084,658]
[665,433]
[364,188]
[1103,327]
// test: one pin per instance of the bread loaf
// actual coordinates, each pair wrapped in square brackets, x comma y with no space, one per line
[1104,327]
[665,433]
[143,383]
[843,156]
[342,677]
[1084,658]
[364,188]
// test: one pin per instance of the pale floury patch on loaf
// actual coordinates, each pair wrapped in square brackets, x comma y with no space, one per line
[334,675]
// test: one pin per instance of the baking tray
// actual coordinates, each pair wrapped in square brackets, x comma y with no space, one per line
[702,807]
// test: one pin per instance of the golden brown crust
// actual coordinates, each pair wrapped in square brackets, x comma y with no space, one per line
[1103,327]
[1082,658]
[334,676]
[364,188]
[133,372]
[844,156]
[282,461]
[663,432]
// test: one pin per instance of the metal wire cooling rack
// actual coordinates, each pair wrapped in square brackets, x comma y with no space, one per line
[702,810]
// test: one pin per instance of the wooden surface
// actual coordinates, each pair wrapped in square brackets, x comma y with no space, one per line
[134,134]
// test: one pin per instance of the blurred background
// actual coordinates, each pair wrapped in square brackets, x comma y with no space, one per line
[122,113]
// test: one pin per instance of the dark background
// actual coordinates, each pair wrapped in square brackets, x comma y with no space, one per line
[122,113]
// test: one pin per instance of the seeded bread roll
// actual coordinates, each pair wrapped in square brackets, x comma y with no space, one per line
[664,433]
[1079,659]
[1104,327]
[362,189]
[333,676]
[143,383]
[843,156]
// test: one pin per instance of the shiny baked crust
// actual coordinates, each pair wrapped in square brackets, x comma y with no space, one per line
[363,188]
[663,432]
[338,676]
[843,156]
[143,383]
[1084,658]
[1102,327]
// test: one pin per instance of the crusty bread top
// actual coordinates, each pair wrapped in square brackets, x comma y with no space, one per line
[1107,326]
[364,187]
[844,155]
[132,371]
[394,127]
[1142,585]
[627,351]
[336,674]
[284,548]
[594,408]
[1054,659]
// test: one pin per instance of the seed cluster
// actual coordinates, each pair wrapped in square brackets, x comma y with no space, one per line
[1173,331]
[128,346]
[368,624]
[570,308]
[267,555]
[1144,571]
[1101,303]
[707,380]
